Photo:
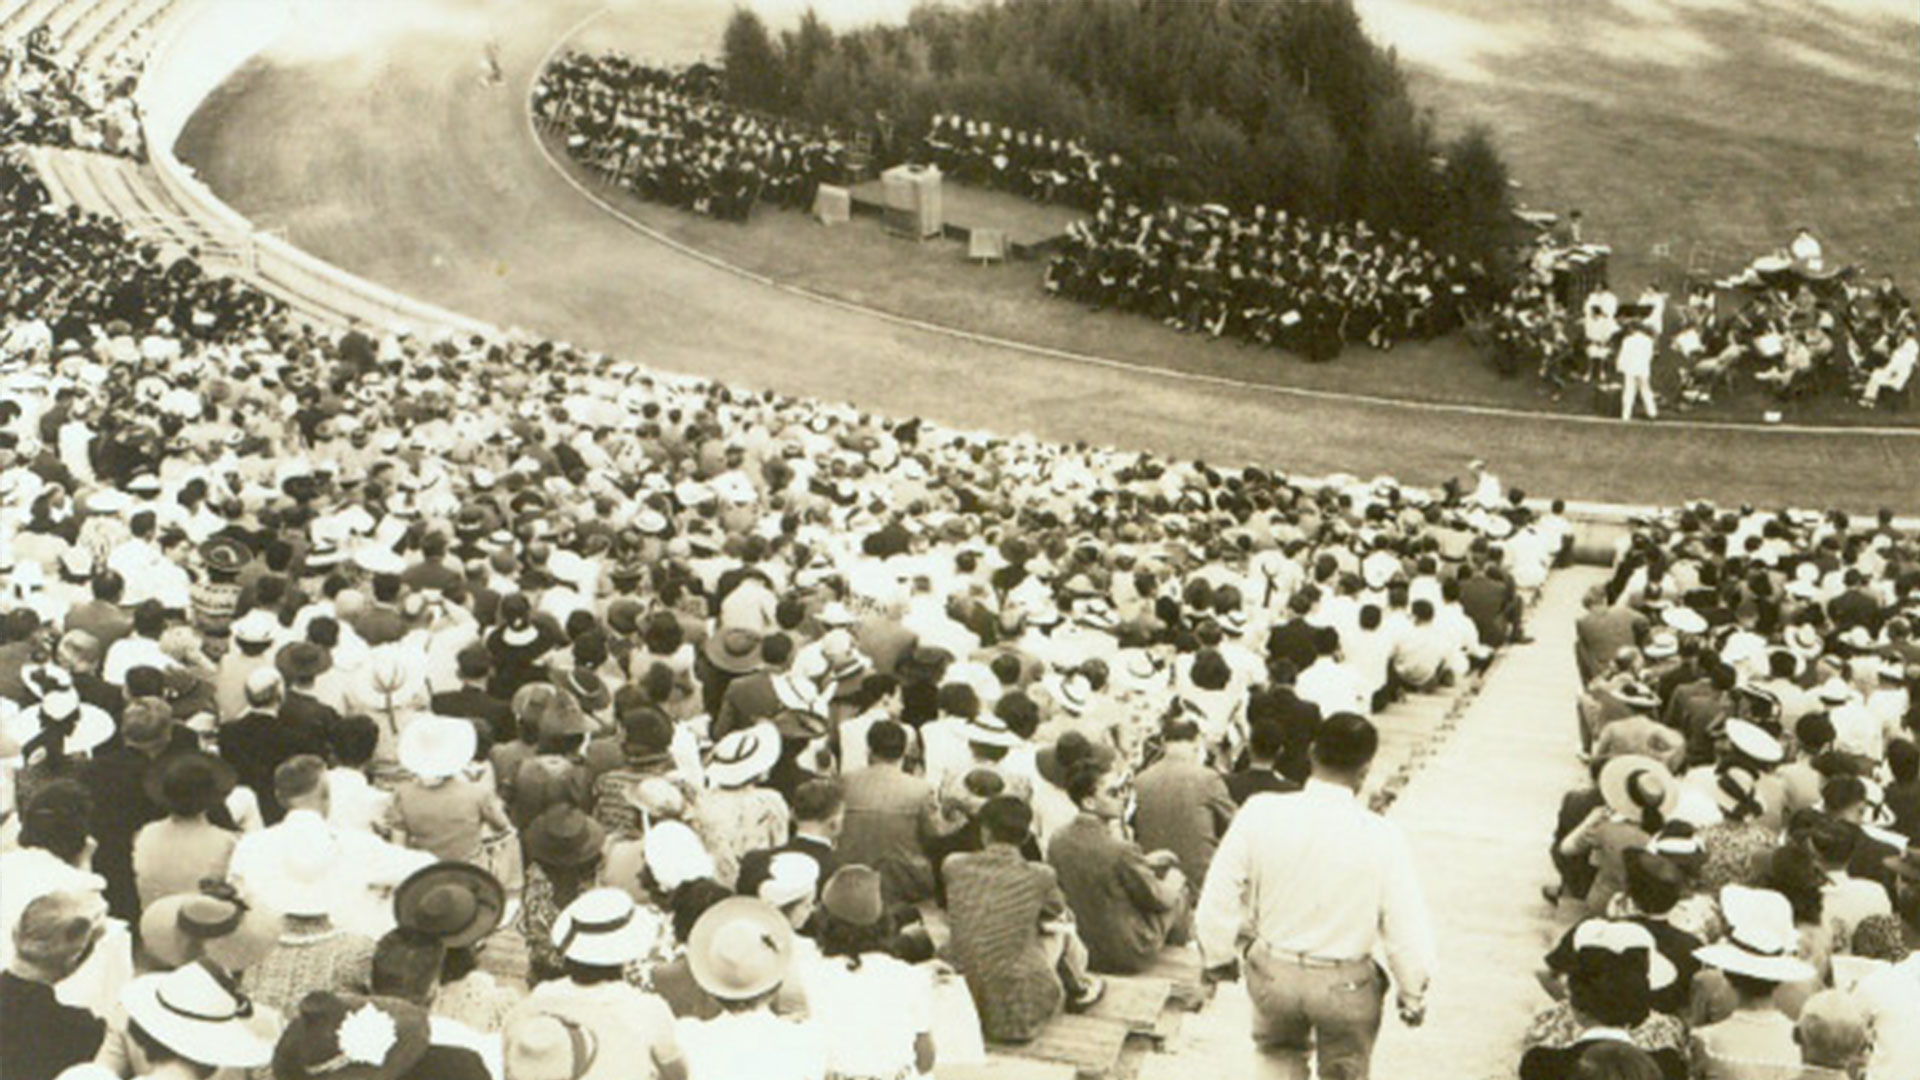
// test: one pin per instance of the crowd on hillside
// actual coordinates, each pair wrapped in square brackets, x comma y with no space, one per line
[46,100]
[1310,288]
[1745,857]
[1032,164]
[468,708]
[666,137]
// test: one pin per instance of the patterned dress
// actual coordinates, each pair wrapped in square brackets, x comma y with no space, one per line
[312,954]
[1734,852]
[734,821]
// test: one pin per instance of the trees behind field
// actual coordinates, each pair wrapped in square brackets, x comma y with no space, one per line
[1281,102]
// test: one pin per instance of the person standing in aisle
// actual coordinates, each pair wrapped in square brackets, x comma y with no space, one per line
[1306,888]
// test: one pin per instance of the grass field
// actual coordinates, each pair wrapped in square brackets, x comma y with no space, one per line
[1711,126]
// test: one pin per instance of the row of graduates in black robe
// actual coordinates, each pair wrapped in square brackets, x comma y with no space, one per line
[1031,164]
[1269,278]
[662,135]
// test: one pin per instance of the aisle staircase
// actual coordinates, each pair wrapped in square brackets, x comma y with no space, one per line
[126,190]
[1140,1029]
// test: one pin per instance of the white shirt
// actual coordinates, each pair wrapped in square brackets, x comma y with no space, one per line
[1316,873]
[1891,999]
[1856,730]
[131,652]
[1636,354]
[870,1017]
[754,1045]
[1333,686]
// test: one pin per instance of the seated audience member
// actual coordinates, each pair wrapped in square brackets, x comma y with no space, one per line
[740,952]
[1757,956]
[1126,903]
[1013,938]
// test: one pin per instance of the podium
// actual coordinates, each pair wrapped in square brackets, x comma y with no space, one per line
[832,205]
[912,201]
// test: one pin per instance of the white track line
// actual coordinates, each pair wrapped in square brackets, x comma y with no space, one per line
[1128,366]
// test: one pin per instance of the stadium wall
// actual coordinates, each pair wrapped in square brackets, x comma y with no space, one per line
[199,47]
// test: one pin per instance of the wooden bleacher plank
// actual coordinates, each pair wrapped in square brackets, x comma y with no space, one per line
[1136,1001]
[1006,1068]
[1180,966]
[1088,1043]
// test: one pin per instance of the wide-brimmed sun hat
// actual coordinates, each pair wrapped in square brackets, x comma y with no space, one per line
[437,747]
[1623,775]
[202,1016]
[740,949]
[456,902]
[603,928]
[563,836]
[1760,940]
[1753,741]
[741,757]
[546,1047]
[213,922]
[735,651]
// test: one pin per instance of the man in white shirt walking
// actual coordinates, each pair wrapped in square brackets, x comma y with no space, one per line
[1306,888]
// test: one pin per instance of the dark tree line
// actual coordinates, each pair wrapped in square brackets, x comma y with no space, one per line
[1285,103]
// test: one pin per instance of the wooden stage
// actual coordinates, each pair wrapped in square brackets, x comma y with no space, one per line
[1031,227]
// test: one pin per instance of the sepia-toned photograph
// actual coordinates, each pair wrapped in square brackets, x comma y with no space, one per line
[959,540]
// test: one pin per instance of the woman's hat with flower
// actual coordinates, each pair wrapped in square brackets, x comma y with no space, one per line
[339,1037]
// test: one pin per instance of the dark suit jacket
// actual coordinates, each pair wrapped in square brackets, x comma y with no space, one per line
[1903,802]
[115,776]
[1489,604]
[305,709]
[1854,608]
[106,622]
[474,703]
[1248,782]
[747,699]
[258,743]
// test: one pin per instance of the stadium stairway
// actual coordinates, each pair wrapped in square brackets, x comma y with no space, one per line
[1141,1028]
[62,19]
[1479,819]
[1477,812]
[122,189]
[23,17]
[97,42]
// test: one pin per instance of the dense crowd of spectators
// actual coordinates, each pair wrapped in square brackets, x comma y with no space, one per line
[1745,856]
[1311,288]
[446,707]
[68,271]
[1032,164]
[667,137]
[47,100]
